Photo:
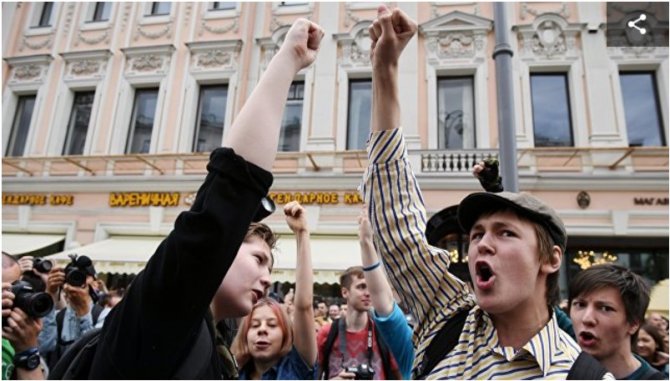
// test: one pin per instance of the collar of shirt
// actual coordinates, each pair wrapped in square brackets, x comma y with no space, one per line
[542,348]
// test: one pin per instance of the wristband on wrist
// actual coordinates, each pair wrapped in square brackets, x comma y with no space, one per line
[372,266]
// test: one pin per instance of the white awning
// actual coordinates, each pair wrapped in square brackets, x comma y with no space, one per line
[331,255]
[123,254]
[23,243]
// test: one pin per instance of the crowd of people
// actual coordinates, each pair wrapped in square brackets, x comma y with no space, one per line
[201,309]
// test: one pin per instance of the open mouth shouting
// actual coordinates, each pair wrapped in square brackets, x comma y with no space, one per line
[586,339]
[257,295]
[484,276]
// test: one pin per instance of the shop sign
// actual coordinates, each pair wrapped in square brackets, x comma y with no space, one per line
[38,199]
[319,198]
[650,200]
[132,199]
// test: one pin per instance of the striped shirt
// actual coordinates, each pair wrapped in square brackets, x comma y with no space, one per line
[419,272]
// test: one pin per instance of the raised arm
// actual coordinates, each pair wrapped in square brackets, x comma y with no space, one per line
[254,134]
[304,336]
[379,287]
[417,271]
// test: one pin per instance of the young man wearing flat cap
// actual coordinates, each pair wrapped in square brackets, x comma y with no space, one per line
[516,244]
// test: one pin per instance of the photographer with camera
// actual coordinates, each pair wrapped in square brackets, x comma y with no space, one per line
[22,308]
[352,346]
[81,312]
[36,267]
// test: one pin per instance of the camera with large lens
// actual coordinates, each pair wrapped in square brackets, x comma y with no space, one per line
[34,303]
[42,265]
[77,270]
[362,371]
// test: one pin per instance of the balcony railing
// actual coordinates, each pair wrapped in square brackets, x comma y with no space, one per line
[529,160]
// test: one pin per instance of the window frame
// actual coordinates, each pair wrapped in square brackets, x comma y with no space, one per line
[471,77]
[102,8]
[348,130]
[11,140]
[41,22]
[152,9]
[70,125]
[568,101]
[130,136]
[290,101]
[198,115]
[213,7]
[657,103]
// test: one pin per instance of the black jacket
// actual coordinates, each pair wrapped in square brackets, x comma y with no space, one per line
[152,330]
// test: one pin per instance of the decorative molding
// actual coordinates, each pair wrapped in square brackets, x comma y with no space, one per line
[549,37]
[126,15]
[94,40]
[435,6]
[277,11]
[28,69]
[188,7]
[525,10]
[456,35]
[85,68]
[85,65]
[148,60]
[355,46]
[165,31]
[349,17]
[68,19]
[214,55]
[35,46]
[27,72]
[218,30]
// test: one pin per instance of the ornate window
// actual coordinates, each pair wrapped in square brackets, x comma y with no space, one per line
[45,15]
[456,113]
[289,138]
[78,124]
[142,121]
[360,108]
[552,124]
[211,116]
[641,108]
[21,125]
[102,11]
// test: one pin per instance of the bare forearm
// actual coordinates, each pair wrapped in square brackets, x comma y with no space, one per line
[254,134]
[304,278]
[385,103]
[380,289]
[304,335]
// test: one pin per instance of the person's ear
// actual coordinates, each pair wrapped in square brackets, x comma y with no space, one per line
[633,328]
[553,263]
[345,292]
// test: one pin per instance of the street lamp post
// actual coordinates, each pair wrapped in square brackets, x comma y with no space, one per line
[502,54]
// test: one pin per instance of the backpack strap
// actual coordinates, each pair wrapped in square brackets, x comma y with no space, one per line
[586,367]
[95,313]
[327,348]
[60,317]
[76,361]
[389,371]
[444,341]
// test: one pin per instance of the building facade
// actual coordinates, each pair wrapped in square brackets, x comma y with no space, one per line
[109,111]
